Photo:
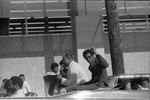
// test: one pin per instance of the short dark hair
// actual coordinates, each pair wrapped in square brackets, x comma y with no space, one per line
[21,75]
[17,81]
[87,51]
[53,65]
[68,56]
[61,62]
[7,86]
[4,80]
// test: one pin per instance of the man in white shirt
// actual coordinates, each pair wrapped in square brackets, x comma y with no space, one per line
[26,86]
[17,84]
[76,74]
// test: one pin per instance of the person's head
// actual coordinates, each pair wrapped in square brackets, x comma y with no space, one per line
[88,55]
[54,67]
[68,58]
[144,83]
[16,82]
[22,76]
[8,87]
[62,64]
[4,80]
[127,85]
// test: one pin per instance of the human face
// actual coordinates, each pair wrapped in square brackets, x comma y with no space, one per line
[128,86]
[63,66]
[145,84]
[66,61]
[55,69]
[89,58]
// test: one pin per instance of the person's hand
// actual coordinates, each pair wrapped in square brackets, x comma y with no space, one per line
[59,77]
[63,90]
[62,68]
[81,82]
[55,92]
[94,50]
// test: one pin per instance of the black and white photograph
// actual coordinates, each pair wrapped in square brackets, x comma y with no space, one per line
[75,49]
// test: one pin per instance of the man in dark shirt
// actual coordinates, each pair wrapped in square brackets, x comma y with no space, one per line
[97,67]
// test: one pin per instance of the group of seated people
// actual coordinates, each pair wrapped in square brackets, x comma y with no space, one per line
[16,86]
[135,84]
[73,77]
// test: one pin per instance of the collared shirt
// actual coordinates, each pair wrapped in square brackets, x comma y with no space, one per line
[26,87]
[19,93]
[51,73]
[74,67]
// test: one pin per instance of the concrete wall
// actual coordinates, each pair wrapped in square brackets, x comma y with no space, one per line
[32,56]
[136,51]
[134,62]
[4,8]
[89,34]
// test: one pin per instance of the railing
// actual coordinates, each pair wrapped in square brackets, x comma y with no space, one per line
[37,25]
[131,23]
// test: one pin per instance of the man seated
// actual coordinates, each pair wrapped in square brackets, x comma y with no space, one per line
[26,85]
[17,84]
[76,74]
[54,72]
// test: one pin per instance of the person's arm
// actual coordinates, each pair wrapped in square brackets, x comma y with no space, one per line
[63,73]
[87,83]
[101,60]
[48,73]
[71,81]
[27,86]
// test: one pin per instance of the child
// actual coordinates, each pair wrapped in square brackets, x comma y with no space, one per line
[54,69]
[127,85]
